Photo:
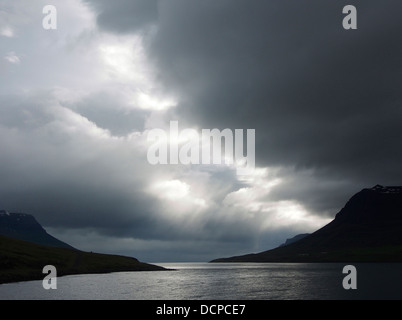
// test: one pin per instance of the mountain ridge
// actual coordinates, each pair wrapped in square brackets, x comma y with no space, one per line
[367,228]
[294,239]
[25,227]
[26,247]
[24,261]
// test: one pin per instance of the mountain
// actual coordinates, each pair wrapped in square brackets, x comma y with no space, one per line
[25,227]
[294,239]
[26,247]
[24,261]
[367,229]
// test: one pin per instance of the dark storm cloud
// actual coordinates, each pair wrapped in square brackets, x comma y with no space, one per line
[325,102]
[321,98]
[315,93]
[72,179]
[125,15]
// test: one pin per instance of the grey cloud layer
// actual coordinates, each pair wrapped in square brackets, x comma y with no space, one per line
[320,97]
[326,104]
[125,16]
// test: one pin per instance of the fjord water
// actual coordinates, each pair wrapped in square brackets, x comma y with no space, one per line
[237,281]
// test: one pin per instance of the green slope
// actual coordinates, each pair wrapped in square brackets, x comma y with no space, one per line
[24,261]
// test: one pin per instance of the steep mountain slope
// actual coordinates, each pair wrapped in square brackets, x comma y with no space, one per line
[25,227]
[368,228]
[26,247]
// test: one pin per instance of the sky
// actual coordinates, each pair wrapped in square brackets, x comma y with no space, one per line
[77,104]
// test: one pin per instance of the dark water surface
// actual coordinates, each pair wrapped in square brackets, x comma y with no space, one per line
[238,281]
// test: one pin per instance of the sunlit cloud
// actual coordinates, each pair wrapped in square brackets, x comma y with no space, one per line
[292,214]
[7,32]
[146,101]
[179,193]
[172,190]
[255,201]
[125,63]
[71,122]
[12,57]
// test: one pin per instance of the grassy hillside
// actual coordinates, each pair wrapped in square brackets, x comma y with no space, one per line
[23,261]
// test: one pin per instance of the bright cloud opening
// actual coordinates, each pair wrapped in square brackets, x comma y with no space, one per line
[7,32]
[12,57]
[180,193]
[125,63]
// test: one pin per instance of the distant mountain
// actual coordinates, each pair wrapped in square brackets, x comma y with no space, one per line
[368,228]
[26,247]
[294,239]
[25,227]
[24,261]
